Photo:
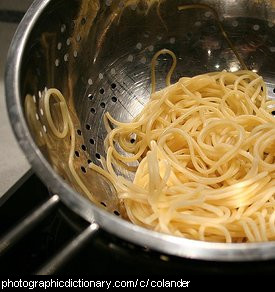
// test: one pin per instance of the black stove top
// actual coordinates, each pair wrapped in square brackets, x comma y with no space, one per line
[101,255]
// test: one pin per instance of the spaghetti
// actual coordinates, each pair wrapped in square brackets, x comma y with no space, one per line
[68,129]
[205,148]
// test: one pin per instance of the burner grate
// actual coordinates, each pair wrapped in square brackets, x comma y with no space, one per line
[16,237]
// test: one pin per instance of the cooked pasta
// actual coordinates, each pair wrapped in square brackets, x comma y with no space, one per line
[205,148]
[67,129]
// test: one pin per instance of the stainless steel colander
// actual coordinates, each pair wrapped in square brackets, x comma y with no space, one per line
[98,54]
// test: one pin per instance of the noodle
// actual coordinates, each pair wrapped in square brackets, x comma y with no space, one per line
[205,148]
[67,126]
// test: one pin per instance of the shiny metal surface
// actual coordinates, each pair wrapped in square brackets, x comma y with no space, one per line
[98,54]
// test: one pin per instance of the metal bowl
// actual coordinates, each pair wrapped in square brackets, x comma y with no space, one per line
[98,54]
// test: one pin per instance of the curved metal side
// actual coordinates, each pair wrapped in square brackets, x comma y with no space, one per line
[71,48]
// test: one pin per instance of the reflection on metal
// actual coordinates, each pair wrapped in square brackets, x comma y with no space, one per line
[234,66]
[106,67]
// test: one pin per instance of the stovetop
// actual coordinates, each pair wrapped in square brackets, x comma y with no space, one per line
[101,255]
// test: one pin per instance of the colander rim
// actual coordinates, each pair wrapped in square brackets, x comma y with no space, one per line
[162,243]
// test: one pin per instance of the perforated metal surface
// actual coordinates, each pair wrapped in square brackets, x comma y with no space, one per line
[98,54]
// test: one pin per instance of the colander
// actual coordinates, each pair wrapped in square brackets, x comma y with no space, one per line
[98,54]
